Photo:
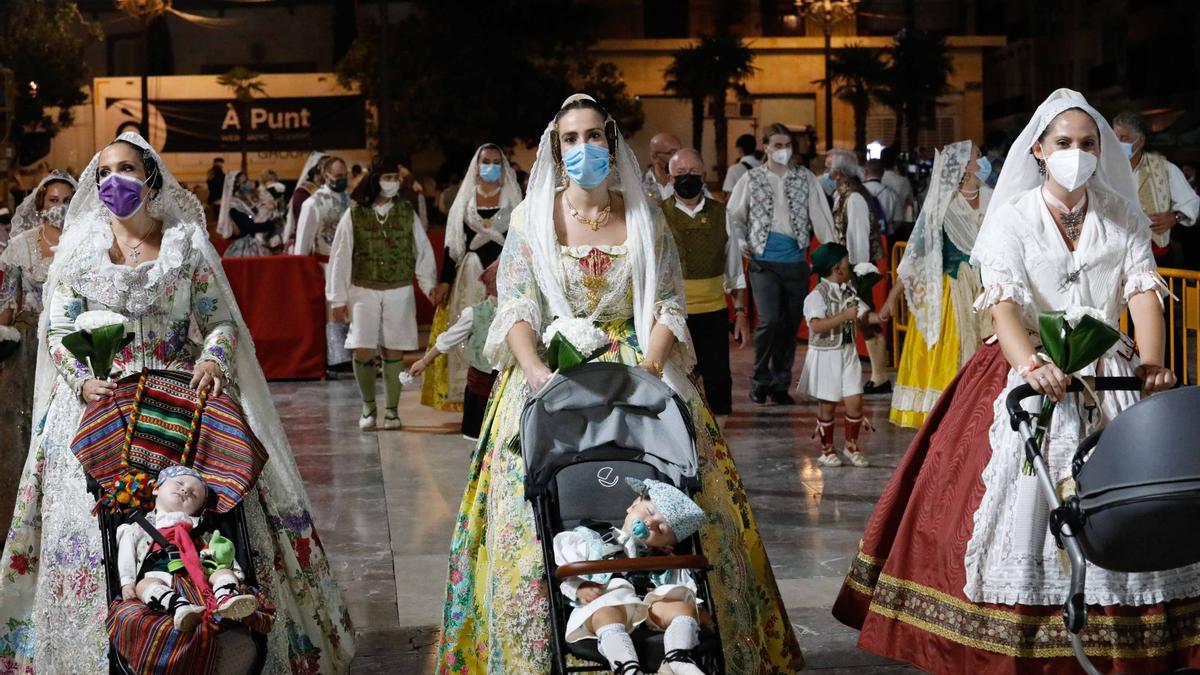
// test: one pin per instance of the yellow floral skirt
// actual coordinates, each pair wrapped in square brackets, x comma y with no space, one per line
[496,614]
[925,371]
[435,385]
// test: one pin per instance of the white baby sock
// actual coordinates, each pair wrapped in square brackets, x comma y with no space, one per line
[682,635]
[616,646]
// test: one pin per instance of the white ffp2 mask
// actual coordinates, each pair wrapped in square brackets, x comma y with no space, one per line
[1071,168]
[781,156]
[389,188]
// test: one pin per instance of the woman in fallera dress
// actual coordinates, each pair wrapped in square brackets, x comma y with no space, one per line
[585,243]
[957,571]
[135,243]
[475,228]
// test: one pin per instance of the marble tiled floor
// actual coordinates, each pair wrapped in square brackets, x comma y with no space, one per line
[384,503]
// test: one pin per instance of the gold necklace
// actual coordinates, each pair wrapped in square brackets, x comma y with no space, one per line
[594,223]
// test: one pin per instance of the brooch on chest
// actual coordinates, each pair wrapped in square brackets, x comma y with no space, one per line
[1072,277]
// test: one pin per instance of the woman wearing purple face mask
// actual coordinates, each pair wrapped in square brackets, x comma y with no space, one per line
[135,243]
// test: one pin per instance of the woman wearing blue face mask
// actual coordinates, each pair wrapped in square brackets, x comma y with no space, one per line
[587,244]
[475,227]
[238,218]
[940,284]
[135,243]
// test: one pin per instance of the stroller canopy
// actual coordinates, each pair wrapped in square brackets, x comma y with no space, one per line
[607,411]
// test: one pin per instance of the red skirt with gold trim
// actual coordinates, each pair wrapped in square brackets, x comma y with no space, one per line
[904,589]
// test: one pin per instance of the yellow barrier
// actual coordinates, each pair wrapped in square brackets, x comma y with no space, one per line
[1182,317]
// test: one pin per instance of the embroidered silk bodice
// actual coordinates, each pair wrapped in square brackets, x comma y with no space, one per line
[25,273]
[599,281]
[159,298]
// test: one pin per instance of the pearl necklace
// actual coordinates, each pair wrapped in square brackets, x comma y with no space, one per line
[485,194]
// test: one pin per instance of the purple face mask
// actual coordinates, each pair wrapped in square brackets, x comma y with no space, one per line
[121,194]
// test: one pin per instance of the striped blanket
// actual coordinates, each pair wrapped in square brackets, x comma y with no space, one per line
[164,421]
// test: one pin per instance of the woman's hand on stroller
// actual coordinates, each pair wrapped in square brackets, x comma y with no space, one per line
[537,375]
[208,372]
[588,592]
[129,592]
[1155,378]
[1045,378]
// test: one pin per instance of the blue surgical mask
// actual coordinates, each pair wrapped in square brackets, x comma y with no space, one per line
[984,170]
[490,173]
[1128,148]
[828,183]
[587,164]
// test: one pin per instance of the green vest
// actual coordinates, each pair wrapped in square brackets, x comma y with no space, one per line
[481,322]
[702,241]
[384,253]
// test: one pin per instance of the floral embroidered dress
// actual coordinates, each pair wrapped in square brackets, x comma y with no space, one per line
[24,272]
[496,613]
[52,578]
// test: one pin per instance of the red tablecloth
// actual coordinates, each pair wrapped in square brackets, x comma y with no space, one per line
[283,301]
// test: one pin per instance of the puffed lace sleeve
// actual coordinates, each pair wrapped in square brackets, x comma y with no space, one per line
[998,255]
[518,297]
[1140,272]
[10,284]
[64,306]
[670,304]
[214,319]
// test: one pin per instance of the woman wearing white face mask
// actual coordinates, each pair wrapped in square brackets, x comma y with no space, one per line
[379,247]
[475,228]
[957,571]
[24,264]
[238,219]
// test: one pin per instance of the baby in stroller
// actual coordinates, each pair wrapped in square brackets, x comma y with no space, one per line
[146,568]
[608,607]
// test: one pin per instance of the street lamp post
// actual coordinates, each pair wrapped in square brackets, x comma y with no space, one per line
[828,12]
[145,11]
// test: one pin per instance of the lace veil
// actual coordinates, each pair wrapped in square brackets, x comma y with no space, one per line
[921,268]
[1020,172]
[290,225]
[641,237]
[87,227]
[224,221]
[464,205]
[26,216]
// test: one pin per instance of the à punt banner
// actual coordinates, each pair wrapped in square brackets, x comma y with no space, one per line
[213,125]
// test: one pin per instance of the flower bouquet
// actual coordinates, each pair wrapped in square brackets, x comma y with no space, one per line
[570,342]
[1071,340]
[99,336]
[10,339]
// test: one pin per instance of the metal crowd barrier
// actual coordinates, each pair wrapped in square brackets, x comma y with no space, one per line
[1182,315]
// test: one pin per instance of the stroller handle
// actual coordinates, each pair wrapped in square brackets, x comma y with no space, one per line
[646,564]
[1016,413]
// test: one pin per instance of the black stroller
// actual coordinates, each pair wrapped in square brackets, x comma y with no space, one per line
[581,436]
[1137,491]
[111,446]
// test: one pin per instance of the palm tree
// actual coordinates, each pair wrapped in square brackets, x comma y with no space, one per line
[919,73]
[706,73]
[860,76]
[685,78]
[245,84]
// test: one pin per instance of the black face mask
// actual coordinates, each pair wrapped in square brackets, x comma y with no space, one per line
[339,184]
[689,185]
